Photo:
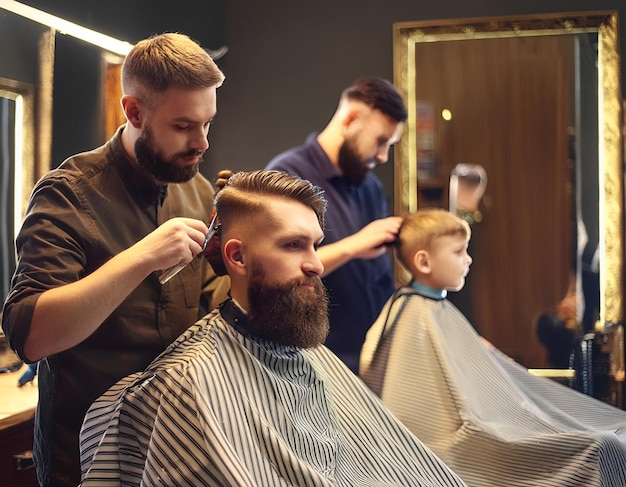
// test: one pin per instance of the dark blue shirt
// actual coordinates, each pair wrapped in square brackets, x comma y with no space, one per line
[359,288]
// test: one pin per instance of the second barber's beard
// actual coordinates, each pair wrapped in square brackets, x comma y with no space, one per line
[164,170]
[288,314]
[352,165]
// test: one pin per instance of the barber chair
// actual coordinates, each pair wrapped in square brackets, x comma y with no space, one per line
[596,365]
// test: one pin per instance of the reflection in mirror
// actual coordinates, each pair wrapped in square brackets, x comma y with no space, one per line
[468,183]
[536,102]
[16,155]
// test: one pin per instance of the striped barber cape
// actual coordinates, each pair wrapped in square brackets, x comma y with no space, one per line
[483,414]
[219,408]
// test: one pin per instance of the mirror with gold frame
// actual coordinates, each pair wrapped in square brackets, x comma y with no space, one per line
[18,110]
[539,147]
[17,129]
[25,124]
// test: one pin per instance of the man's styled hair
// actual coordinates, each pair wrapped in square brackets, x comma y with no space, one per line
[168,60]
[245,193]
[419,229]
[378,94]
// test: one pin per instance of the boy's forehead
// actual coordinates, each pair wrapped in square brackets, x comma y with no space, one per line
[450,238]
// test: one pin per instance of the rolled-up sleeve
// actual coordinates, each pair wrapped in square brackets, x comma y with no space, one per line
[51,251]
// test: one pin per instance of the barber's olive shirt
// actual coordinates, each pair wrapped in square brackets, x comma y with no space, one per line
[222,408]
[80,215]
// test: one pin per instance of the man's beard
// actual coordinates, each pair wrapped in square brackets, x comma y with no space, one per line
[353,167]
[288,314]
[164,170]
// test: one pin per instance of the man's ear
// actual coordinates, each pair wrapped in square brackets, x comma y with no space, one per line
[421,261]
[233,256]
[350,115]
[132,110]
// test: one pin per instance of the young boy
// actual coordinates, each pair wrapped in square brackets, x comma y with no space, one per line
[479,411]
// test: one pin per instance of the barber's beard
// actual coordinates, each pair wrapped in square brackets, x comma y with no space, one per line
[352,165]
[288,314]
[164,170]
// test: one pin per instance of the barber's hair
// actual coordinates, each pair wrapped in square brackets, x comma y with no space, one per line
[419,229]
[378,94]
[245,193]
[168,60]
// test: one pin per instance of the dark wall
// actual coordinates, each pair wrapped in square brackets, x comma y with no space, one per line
[77,122]
[132,20]
[18,48]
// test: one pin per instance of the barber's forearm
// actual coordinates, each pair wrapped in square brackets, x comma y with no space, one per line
[368,243]
[333,256]
[67,315]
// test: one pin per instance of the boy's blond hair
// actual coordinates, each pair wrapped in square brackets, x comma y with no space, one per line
[419,229]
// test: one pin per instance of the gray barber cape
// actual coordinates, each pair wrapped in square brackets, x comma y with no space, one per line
[221,408]
[483,414]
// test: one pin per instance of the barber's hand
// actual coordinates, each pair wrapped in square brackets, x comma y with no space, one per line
[372,240]
[222,179]
[177,241]
[213,252]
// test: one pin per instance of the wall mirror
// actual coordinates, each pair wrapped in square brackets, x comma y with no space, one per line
[29,73]
[25,79]
[536,101]
[17,151]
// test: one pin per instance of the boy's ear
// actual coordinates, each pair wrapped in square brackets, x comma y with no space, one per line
[421,261]
[233,256]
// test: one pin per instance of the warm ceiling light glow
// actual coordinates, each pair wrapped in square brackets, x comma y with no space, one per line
[65,27]
[446,114]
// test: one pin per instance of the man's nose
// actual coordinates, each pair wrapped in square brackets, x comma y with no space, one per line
[313,266]
[200,141]
[383,155]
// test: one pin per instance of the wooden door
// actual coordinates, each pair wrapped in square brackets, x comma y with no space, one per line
[510,101]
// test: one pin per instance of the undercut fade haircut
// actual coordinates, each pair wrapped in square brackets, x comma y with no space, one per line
[168,60]
[378,94]
[246,192]
[419,229]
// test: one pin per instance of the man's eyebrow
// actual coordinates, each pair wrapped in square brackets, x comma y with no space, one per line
[192,121]
[301,236]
